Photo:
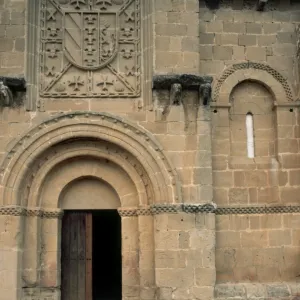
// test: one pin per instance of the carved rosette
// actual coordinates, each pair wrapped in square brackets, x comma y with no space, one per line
[90,48]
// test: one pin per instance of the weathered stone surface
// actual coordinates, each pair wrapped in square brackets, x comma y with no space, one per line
[152,147]
[188,81]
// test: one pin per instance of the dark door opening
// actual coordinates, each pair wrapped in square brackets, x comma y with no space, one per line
[91,261]
[107,259]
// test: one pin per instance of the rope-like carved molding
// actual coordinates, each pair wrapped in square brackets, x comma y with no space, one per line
[257,210]
[30,212]
[257,66]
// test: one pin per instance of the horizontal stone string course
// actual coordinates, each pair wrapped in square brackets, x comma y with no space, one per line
[257,210]
[166,209]
[30,212]
[157,209]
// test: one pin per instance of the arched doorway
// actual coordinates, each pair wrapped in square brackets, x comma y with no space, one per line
[91,266]
[42,175]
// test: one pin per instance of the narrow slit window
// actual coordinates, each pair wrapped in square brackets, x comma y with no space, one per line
[250,135]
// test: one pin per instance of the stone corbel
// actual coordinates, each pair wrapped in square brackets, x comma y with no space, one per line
[205,93]
[12,91]
[189,90]
[261,5]
[176,94]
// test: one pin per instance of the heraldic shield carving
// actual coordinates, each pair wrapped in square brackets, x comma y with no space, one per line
[90,48]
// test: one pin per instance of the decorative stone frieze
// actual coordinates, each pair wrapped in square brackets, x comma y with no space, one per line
[158,209]
[127,212]
[12,210]
[31,212]
[199,208]
[166,208]
[257,210]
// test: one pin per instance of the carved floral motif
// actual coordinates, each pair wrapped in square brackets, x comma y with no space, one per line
[91,48]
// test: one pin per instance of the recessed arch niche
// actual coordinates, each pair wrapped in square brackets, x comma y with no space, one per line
[88,193]
[252,97]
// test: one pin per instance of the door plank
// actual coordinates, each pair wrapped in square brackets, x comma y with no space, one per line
[89,258]
[81,257]
[73,275]
[65,257]
[76,260]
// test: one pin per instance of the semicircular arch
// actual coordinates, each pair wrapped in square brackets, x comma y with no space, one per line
[63,156]
[91,126]
[264,74]
[88,193]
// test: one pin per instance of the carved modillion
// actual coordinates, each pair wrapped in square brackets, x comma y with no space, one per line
[205,93]
[6,96]
[176,94]
[187,90]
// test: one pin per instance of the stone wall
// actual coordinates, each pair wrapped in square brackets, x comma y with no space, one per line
[176,33]
[257,248]
[257,291]
[184,255]
[177,152]
[12,33]
[230,35]
[260,248]
[10,255]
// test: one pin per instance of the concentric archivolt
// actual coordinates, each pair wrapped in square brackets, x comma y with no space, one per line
[125,136]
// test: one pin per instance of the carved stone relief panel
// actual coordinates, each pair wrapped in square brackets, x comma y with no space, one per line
[90,48]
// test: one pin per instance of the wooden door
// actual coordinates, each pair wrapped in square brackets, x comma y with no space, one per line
[76,256]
